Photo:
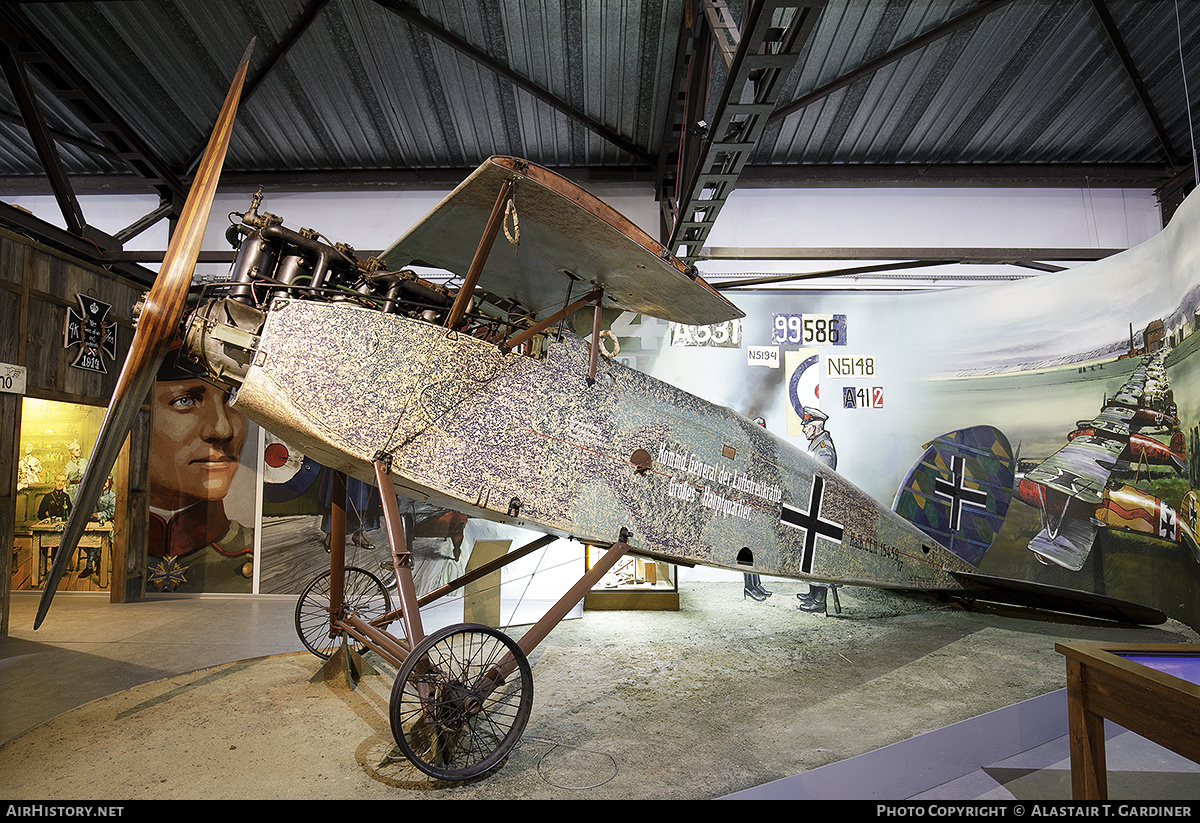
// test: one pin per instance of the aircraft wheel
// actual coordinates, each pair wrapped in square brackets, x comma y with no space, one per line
[362,592]
[461,701]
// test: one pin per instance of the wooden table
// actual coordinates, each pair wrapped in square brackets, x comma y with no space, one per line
[1102,683]
[47,536]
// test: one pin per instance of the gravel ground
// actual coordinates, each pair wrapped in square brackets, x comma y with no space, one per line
[723,695]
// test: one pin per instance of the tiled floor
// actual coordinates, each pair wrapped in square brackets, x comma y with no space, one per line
[1137,770]
[87,648]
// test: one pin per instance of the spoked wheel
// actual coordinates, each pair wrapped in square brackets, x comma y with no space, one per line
[363,592]
[461,701]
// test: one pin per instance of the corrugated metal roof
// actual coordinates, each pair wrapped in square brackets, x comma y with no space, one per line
[366,89]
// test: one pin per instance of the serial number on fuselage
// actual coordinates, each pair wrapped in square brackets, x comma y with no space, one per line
[877,549]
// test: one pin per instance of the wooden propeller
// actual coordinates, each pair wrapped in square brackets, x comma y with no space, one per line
[157,325]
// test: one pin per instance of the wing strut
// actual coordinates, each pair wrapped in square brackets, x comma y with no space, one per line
[463,300]
[594,354]
[517,339]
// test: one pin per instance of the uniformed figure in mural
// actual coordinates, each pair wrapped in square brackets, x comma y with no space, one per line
[194,451]
[754,588]
[820,442]
[105,511]
[56,505]
[820,446]
[74,468]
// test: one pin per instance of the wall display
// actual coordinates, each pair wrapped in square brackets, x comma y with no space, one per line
[90,330]
[48,472]
[1089,374]
[13,378]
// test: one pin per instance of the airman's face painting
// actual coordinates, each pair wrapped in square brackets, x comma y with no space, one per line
[196,442]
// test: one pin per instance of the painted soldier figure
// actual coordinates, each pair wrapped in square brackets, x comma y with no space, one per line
[820,446]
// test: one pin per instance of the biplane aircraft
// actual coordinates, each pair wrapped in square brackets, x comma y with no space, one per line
[476,399]
[1080,488]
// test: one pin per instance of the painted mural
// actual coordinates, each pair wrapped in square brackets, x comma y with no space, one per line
[1088,375]
[297,493]
[201,488]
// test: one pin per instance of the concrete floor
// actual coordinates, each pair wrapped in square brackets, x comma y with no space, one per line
[89,652]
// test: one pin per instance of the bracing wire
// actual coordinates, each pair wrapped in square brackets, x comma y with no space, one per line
[1186,97]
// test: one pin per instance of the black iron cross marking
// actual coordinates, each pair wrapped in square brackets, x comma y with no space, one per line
[957,491]
[811,522]
[1074,481]
[94,335]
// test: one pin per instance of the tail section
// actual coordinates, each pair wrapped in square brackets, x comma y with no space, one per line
[959,491]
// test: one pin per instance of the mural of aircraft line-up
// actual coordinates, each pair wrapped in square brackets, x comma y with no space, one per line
[1091,483]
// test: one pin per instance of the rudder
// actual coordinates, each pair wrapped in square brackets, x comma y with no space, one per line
[959,491]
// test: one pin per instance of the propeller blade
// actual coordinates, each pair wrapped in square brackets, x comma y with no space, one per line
[161,314]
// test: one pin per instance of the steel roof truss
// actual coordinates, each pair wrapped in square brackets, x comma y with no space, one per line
[773,34]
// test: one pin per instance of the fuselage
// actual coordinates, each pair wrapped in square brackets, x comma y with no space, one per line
[528,440]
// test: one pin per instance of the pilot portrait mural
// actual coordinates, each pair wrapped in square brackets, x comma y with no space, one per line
[201,531]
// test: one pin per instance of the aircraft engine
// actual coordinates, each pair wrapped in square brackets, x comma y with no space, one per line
[221,334]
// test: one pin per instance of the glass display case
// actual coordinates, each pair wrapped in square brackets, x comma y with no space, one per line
[633,583]
[1150,689]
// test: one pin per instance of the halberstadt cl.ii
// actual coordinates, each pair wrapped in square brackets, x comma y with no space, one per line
[477,399]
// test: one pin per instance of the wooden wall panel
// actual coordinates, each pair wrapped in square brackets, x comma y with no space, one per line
[37,287]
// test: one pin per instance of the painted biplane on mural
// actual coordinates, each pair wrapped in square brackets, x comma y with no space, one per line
[1091,483]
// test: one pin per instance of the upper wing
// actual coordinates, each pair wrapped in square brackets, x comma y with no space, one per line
[1079,469]
[1115,420]
[559,233]
[1067,487]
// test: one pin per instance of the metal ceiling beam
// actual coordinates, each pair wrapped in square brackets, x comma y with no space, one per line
[59,136]
[870,67]
[302,23]
[777,279]
[47,152]
[169,208]
[983,175]
[674,142]
[48,234]
[423,23]
[43,59]
[758,57]
[1143,94]
[992,255]
[166,209]
[979,175]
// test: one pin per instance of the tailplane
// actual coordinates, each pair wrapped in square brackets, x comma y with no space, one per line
[959,491]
